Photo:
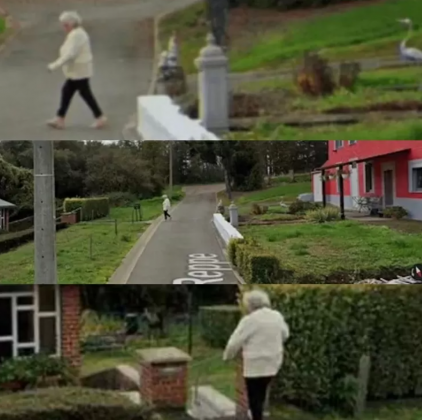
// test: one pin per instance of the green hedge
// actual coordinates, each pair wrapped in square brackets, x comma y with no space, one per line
[70,404]
[91,208]
[333,326]
[13,240]
[217,324]
[285,4]
[260,266]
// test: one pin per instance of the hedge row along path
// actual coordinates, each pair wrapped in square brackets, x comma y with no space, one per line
[187,246]
[122,38]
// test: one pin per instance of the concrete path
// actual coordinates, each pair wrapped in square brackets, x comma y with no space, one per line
[122,40]
[187,246]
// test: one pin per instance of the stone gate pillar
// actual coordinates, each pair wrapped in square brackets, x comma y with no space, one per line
[213,93]
[164,377]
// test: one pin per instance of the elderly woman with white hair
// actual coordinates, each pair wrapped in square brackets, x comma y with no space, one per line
[76,61]
[260,335]
[166,207]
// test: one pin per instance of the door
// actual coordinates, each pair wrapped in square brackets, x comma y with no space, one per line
[389,187]
[317,187]
[354,186]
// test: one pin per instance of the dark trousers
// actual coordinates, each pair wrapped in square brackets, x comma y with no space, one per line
[257,389]
[83,87]
[166,214]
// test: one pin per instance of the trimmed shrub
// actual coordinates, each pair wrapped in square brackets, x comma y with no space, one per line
[91,208]
[395,212]
[285,4]
[217,324]
[322,215]
[333,327]
[300,207]
[232,248]
[10,241]
[36,370]
[70,404]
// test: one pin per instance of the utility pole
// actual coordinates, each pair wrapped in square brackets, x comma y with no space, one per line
[171,170]
[44,213]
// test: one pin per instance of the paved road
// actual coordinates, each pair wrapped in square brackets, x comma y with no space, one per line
[186,247]
[121,33]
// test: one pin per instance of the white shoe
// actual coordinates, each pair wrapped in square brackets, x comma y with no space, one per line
[56,123]
[99,123]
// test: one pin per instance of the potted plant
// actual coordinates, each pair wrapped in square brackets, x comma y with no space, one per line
[331,176]
[345,174]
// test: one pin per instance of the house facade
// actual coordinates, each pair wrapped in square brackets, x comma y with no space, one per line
[40,319]
[5,208]
[390,170]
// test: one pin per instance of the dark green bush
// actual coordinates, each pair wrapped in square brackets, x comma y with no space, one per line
[70,404]
[300,207]
[284,4]
[395,212]
[332,327]
[35,370]
[122,199]
[91,208]
[217,324]
[9,241]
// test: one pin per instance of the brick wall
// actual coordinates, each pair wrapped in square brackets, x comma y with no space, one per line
[165,390]
[242,405]
[71,309]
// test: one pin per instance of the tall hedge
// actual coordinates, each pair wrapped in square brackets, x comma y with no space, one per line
[333,326]
[91,208]
[284,4]
[217,323]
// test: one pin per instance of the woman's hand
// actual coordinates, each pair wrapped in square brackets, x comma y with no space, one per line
[51,67]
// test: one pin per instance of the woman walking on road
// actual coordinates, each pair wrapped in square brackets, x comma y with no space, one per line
[260,335]
[77,64]
[166,207]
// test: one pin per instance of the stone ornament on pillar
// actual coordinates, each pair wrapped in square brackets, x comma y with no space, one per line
[164,377]
[213,93]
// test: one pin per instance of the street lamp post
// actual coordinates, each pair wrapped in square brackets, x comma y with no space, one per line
[44,213]
[218,11]
[171,169]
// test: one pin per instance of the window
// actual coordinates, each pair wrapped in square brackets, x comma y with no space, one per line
[352,142]
[417,179]
[29,321]
[338,144]
[369,177]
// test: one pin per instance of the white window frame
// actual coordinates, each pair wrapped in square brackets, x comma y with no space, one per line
[352,142]
[414,164]
[36,315]
[372,175]
[340,144]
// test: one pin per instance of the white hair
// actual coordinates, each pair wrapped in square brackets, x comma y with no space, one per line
[256,299]
[70,18]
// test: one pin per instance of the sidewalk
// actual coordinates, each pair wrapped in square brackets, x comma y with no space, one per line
[122,39]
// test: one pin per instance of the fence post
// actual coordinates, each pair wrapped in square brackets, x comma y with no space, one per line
[363,381]
[213,93]
[90,246]
[115,227]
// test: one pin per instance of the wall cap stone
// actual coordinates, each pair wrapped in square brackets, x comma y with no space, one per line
[163,355]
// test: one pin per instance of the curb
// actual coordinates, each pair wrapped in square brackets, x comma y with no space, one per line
[12,28]
[124,271]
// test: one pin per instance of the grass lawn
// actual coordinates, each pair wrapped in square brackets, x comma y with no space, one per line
[207,368]
[377,129]
[318,250]
[75,264]
[349,33]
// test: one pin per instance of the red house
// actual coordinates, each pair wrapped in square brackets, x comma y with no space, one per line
[388,173]
[35,319]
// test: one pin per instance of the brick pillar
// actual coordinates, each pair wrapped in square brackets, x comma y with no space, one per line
[242,405]
[164,377]
[71,309]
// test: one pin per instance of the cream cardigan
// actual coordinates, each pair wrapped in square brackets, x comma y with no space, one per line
[261,336]
[75,56]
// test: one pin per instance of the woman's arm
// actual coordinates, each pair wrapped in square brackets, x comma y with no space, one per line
[237,340]
[76,42]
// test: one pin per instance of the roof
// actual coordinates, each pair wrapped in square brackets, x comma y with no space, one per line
[5,204]
[363,157]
